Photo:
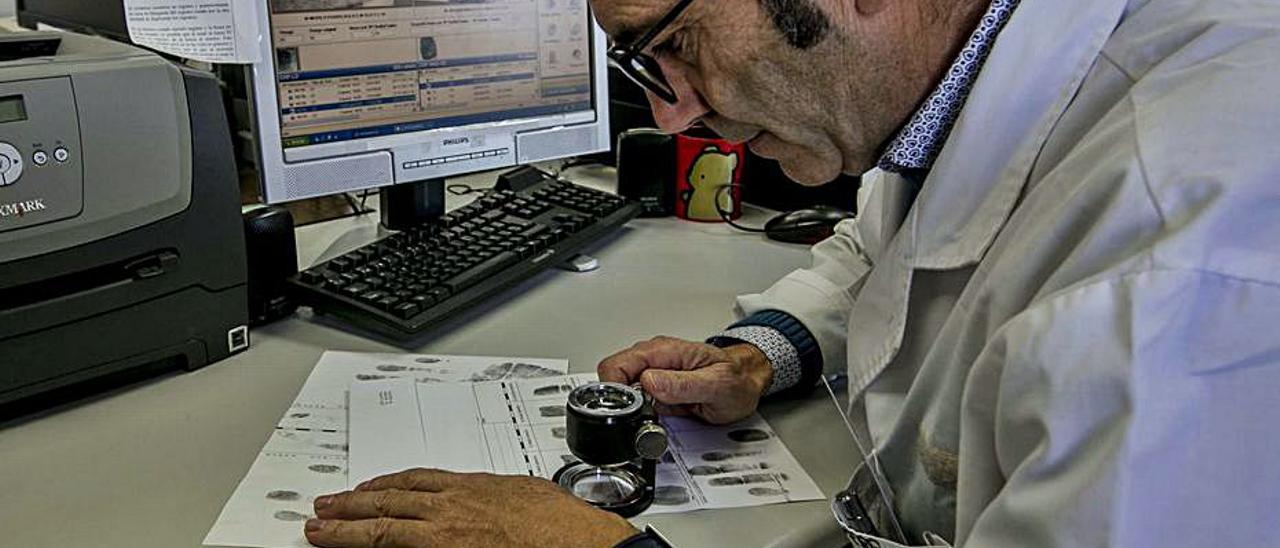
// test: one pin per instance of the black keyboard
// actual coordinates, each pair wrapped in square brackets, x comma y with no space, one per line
[407,282]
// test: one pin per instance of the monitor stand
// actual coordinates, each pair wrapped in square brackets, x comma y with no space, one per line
[407,205]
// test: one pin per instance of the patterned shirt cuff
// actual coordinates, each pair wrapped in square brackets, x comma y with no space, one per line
[775,346]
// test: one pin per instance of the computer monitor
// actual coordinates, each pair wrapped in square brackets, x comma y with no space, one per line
[361,94]
[100,17]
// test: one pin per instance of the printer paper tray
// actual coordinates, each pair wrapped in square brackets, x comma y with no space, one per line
[68,297]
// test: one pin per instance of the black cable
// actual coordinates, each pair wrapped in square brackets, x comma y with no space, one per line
[355,207]
[569,163]
[461,189]
[727,216]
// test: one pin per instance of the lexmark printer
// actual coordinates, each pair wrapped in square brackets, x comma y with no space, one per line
[121,247]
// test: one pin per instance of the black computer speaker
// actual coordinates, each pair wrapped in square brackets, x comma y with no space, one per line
[273,258]
[646,170]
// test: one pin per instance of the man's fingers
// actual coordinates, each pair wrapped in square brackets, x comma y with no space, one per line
[392,503]
[657,353]
[368,533]
[683,387]
[622,367]
[418,479]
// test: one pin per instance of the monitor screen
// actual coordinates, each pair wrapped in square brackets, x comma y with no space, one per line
[355,69]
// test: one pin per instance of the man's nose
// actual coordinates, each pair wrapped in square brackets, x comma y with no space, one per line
[689,106]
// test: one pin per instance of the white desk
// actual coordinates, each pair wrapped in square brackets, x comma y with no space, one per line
[150,466]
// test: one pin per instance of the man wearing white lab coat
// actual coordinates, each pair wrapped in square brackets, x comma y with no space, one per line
[1061,322]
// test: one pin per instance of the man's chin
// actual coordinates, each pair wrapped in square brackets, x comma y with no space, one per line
[799,164]
[766,146]
[807,174]
[759,149]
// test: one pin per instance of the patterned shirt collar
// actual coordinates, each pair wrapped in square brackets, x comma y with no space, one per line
[919,142]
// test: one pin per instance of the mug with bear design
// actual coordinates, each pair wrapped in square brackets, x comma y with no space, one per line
[708,177]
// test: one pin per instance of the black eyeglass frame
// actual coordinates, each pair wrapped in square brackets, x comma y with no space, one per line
[641,67]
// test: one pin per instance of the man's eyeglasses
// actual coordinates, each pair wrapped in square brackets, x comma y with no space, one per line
[641,67]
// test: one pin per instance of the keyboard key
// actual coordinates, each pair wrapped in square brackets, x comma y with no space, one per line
[340,265]
[357,289]
[534,232]
[334,282]
[312,277]
[406,310]
[481,271]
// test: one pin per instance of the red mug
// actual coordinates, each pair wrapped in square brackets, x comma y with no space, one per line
[705,166]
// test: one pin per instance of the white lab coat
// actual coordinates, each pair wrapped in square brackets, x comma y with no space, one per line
[1072,337]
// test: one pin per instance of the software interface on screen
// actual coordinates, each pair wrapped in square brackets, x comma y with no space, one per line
[352,69]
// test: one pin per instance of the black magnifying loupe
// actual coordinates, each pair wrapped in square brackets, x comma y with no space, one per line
[614,432]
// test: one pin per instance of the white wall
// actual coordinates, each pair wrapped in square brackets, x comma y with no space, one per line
[6,8]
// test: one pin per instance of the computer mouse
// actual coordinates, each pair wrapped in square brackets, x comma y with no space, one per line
[806,226]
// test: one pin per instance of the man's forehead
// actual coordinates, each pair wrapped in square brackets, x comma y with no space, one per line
[626,20]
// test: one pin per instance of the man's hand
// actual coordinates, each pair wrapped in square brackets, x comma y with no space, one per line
[717,385]
[427,508]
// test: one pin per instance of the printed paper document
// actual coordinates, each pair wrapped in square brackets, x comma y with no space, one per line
[306,455]
[214,31]
[517,427]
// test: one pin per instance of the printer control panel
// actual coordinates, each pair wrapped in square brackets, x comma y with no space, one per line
[41,178]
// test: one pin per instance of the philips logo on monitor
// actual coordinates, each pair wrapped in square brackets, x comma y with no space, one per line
[456,142]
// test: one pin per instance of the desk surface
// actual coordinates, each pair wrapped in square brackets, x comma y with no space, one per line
[151,466]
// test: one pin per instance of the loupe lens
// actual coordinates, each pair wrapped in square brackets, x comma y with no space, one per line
[602,486]
[606,400]
[611,401]
[605,488]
